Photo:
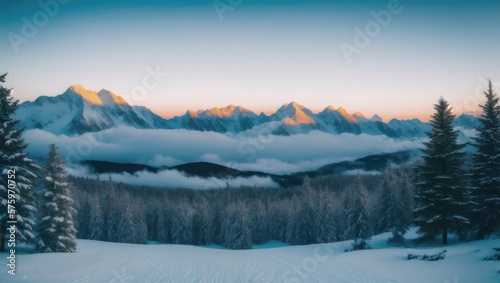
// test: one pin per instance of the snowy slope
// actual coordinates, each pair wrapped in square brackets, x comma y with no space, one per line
[111,262]
[79,110]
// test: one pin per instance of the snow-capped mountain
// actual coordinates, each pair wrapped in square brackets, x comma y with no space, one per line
[295,118]
[79,110]
[228,119]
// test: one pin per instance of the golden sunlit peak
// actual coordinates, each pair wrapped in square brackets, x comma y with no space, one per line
[359,114]
[88,95]
[192,113]
[224,112]
[330,108]
[346,115]
[109,98]
[294,105]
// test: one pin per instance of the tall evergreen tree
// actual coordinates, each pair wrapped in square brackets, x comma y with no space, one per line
[393,214]
[56,231]
[238,234]
[96,221]
[15,168]
[111,212]
[358,217]
[325,221]
[441,206]
[486,169]
[131,227]
[182,225]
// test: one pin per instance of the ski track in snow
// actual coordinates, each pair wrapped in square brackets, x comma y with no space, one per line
[97,261]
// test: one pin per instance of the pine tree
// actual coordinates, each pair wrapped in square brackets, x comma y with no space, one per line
[358,217]
[132,226]
[182,225]
[440,196]
[96,221]
[393,214]
[84,214]
[15,168]
[201,223]
[238,234]
[259,223]
[486,169]
[163,227]
[56,231]
[325,222]
[111,212]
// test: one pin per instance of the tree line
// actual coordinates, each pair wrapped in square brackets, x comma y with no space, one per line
[440,194]
[240,217]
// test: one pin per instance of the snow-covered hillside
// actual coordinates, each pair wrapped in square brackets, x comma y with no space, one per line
[79,111]
[111,262]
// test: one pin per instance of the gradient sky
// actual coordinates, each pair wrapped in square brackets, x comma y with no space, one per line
[259,55]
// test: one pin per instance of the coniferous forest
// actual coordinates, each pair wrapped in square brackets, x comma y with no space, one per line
[439,194]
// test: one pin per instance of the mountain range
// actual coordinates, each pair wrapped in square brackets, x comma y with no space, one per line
[78,110]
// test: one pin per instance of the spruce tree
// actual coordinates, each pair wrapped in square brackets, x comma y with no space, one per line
[393,214]
[325,220]
[440,197]
[486,169]
[182,225]
[238,234]
[56,231]
[96,221]
[358,217]
[16,174]
[111,212]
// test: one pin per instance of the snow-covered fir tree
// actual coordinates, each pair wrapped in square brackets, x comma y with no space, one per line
[16,170]
[56,231]
[325,225]
[393,213]
[486,168]
[182,225]
[96,221]
[131,226]
[440,197]
[259,223]
[237,228]
[358,217]
[111,212]
[201,225]
[163,225]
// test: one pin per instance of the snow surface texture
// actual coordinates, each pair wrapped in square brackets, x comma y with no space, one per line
[97,261]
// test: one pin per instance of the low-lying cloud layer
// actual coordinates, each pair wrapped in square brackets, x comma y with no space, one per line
[174,179]
[271,154]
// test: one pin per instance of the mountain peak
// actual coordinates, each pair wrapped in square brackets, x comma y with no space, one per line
[294,114]
[109,98]
[88,95]
[228,111]
[346,115]
[330,108]
[358,115]
[293,105]
[376,118]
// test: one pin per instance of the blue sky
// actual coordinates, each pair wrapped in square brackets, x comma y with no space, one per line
[259,54]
